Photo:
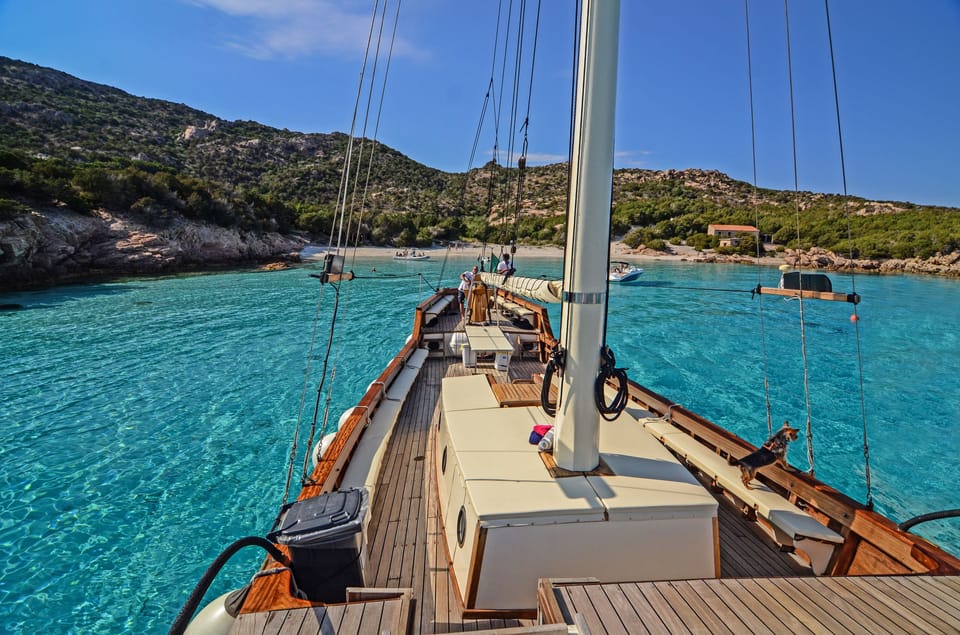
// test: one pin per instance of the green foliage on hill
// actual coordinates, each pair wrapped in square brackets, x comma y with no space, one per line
[85,146]
[681,205]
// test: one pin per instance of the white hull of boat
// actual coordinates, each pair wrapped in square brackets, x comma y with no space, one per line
[627,274]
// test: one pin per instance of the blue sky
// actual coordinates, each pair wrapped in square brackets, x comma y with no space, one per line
[683,92]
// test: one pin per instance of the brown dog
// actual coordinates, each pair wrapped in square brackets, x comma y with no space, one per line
[773,451]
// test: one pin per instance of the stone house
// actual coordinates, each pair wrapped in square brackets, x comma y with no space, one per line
[730,234]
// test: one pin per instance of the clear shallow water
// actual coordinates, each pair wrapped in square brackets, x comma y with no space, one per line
[147,423]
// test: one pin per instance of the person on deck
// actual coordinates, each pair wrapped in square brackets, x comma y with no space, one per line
[505,267]
[466,279]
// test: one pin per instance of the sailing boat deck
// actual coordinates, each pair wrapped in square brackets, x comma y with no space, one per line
[406,546]
[407,551]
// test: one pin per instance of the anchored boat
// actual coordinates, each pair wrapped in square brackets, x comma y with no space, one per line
[540,489]
[408,254]
[621,271]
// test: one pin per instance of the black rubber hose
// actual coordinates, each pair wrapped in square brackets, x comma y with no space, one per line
[554,364]
[608,370]
[922,518]
[186,613]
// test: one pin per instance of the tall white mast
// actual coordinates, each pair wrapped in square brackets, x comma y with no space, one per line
[576,444]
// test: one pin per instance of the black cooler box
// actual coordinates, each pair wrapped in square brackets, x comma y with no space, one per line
[324,535]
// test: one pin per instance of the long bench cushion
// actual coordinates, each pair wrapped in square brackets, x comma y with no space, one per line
[768,504]
[432,312]
[364,466]
[417,359]
[402,384]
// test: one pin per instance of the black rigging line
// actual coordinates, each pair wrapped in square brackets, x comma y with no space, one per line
[756,214]
[376,128]
[796,190]
[522,160]
[853,278]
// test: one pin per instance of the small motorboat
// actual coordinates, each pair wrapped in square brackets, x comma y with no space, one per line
[623,271]
[410,254]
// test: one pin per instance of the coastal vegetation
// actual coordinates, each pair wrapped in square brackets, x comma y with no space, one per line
[76,145]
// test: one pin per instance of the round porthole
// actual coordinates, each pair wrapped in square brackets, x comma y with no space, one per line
[461,526]
[443,462]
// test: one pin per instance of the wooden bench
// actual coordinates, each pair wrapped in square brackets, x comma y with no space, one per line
[515,310]
[792,526]
[433,312]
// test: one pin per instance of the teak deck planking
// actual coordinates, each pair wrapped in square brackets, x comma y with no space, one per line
[869,604]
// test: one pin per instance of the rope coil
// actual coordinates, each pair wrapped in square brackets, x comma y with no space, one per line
[608,370]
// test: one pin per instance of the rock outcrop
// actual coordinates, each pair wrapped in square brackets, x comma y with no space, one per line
[817,258]
[57,245]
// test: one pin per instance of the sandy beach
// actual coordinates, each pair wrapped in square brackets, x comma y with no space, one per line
[618,251]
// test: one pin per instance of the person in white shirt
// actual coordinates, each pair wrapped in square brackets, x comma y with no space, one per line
[505,265]
[466,279]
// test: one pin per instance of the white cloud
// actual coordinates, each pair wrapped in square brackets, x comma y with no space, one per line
[298,28]
[542,158]
[632,158]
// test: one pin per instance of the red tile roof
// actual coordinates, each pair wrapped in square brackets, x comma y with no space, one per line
[732,228]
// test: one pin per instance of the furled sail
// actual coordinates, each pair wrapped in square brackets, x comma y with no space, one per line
[534,288]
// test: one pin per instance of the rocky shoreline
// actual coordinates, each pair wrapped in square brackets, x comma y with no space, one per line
[60,246]
[816,258]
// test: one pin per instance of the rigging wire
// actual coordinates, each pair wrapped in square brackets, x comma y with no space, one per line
[376,127]
[796,190]
[342,229]
[522,160]
[341,201]
[292,458]
[498,104]
[512,127]
[756,214]
[853,278]
[336,345]
[348,158]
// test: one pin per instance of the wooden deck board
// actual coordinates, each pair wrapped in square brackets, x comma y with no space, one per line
[619,603]
[920,610]
[802,605]
[922,604]
[731,601]
[652,624]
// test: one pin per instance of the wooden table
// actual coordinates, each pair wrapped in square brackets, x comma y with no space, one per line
[490,339]
[523,394]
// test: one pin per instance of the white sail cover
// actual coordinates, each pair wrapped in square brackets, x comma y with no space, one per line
[534,288]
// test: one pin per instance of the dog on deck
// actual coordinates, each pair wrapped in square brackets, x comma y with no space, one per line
[773,451]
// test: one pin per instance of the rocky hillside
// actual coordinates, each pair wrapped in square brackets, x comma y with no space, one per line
[95,179]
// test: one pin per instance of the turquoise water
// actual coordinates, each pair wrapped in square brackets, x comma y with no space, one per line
[147,423]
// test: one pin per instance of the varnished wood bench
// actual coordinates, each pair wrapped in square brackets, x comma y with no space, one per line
[792,526]
[433,312]
[515,310]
